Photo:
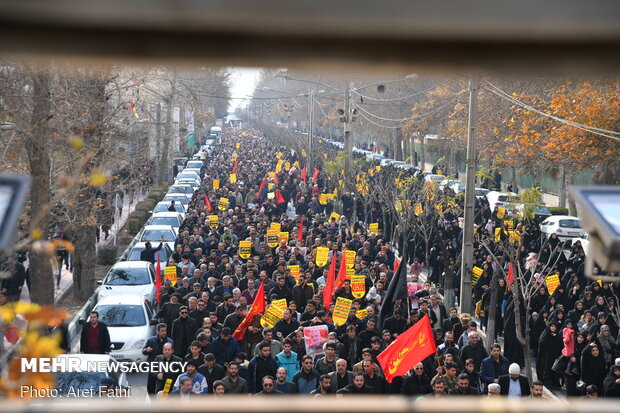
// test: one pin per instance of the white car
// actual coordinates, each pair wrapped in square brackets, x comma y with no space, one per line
[564,226]
[195,184]
[178,197]
[87,383]
[163,207]
[166,218]
[434,178]
[194,165]
[129,277]
[131,321]
[134,253]
[499,199]
[181,189]
[188,174]
[480,192]
[154,233]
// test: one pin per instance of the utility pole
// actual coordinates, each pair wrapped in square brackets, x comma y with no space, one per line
[348,145]
[470,200]
[309,167]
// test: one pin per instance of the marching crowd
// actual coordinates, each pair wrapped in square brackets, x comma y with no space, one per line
[573,331]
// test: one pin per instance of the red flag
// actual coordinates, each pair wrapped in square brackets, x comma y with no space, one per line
[396,264]
[208,204]
[234,171]
[316,175]
[329,284]
[279,197]
[342,272]
[409,348]
[510,278]
[258,307]
[262,186]
[304,176]
[158,277]
[300,232]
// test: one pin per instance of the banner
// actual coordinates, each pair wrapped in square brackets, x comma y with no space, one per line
[552,281]
[501,212]
[509,224]
[170,273]
[222,205]
[351,254]
[270,186]
[245,249]
[322,254]
[342,308]
[214,221]
[295,270]
[334,216]
[216,184]
[361,314]
[358,286]
[238,145]
[498,235]
[476,272]
[258,307]
[374,227]
[314,338]
[323,199]
[350,273]
[276,225]
[233,178]
[272,237]
[283,236]
[274,313]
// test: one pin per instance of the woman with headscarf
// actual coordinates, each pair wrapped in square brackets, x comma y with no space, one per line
[608,344]
[600,306]
[573,369]
[550,348]
[593,368]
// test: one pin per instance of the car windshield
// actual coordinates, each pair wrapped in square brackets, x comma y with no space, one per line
[180,199]
[128,276]
[184,189]
[187,175]
[503,198]
[173,221]
[196,165]
[164,207]
[85,382]
[134,255]
[155,235]
[122,315]
[570,223]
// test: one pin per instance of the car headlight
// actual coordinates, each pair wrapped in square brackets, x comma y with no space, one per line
[138,344]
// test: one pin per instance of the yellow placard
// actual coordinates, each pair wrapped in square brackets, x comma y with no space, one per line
[274,313]
[271,195]
[279,155]
[350,254]
[270,186]
[279,165]
[552,281]
[303,153]
[377,168]
[476,272]
[374,227]
[283,236]
[439,172]
[170,273]
[358,286]
[214,221]
[498,234]
[501,212]
[167,387]
[287,166]
[216,184]
[272,237]
[276,225]
[295,270]
[335,216]
[509,224]
[514,236]
[233,178]
[238,145]
[322,254]
[439,209]
[323,199]
[350,273]
[244,133]
[361,314]
[245,249]
[341,312]
[222,205]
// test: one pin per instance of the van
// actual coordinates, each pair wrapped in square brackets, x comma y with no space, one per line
[499,199]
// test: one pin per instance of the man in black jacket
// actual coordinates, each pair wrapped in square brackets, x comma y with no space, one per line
[95,338]
[211,370]
[514,384]
[183,330]
[357,387]
[165,358]
[463,388]
[148,253]
[417,383]
[154,347]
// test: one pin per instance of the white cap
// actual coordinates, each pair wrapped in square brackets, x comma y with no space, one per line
[617,362]
[514,369]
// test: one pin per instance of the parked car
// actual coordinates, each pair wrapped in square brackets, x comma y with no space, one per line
[154,233]
[181,189]
[541,212]
[434,178]
[134,253]
[194,183]
[565,226]
[499,199]
[166,218]
[131,321]
[129,277]
[480,192]
[176,197]
[194,165]
[189,174]
[86,382]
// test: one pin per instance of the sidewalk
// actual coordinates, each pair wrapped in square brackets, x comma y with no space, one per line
[66,278]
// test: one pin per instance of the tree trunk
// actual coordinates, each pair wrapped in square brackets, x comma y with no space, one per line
[422,152]
[84,261]
[524,341]
[40,267]
[515,187]
[563,189]
[492,310]
[168,136]
[572,207]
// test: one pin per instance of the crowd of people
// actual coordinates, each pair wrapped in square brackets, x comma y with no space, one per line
[573,331]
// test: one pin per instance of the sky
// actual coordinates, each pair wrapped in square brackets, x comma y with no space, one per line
[243,81]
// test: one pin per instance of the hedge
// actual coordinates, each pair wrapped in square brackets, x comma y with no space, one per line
[558,210]
[106,255]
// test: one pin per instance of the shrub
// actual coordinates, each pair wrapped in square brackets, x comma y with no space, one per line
[106,255]
[134,225]
[558,210]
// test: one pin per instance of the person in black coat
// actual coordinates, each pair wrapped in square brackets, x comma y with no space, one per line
[593,368]
[416,383]
[550,348]
[183,330]
[211,370]
[165,358]
[95,328]
[463,387]
[148,253]
[514,374]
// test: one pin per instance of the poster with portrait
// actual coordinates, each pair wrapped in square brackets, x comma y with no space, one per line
[314,338]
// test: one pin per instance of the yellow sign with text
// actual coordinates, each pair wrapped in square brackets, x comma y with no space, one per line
[272,237]
[245,249]
[222,205]
[274,313]
[170,273]
[342,308]
[358,286]
[552,281]
[216,184]
[322,254]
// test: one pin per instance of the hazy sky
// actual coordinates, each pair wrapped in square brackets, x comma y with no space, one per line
[243,81]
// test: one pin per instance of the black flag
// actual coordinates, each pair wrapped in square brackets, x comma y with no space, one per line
[397,289]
